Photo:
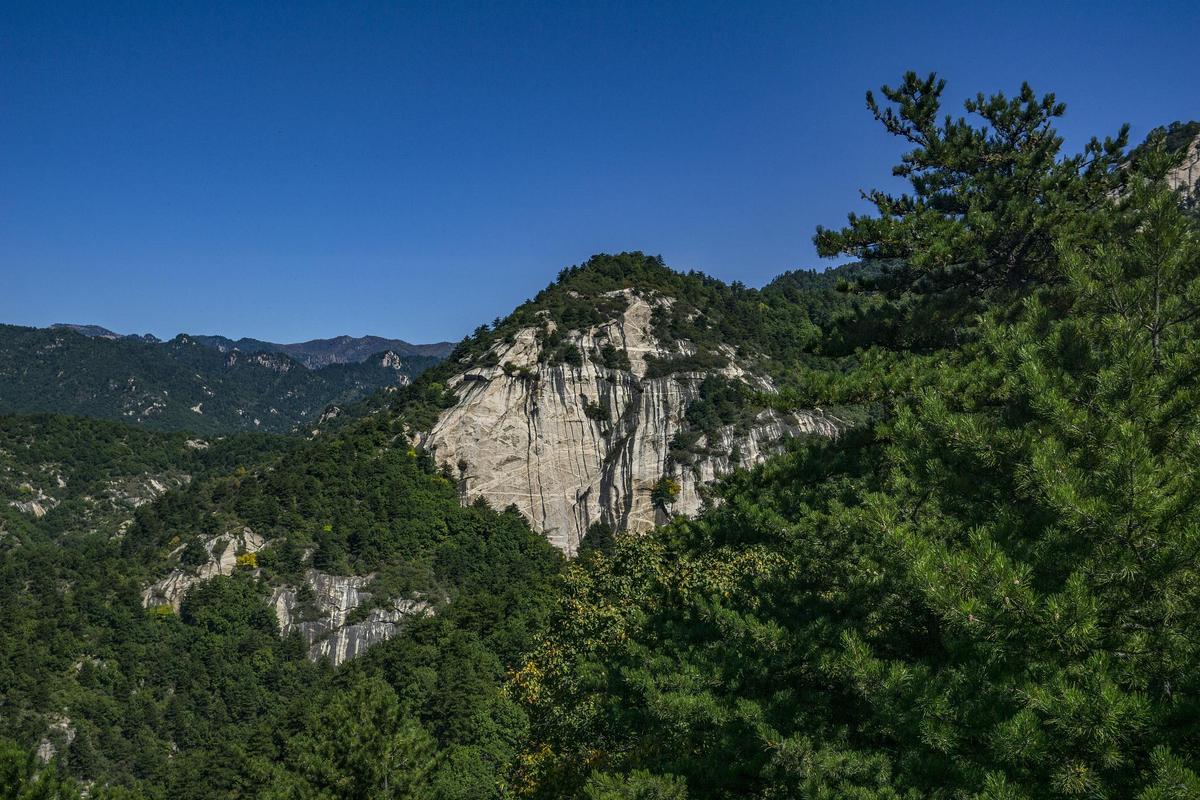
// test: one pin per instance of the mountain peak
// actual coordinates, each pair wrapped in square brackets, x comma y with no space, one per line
[98,332]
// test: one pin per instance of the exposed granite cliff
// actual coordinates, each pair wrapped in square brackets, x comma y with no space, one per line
[1185,178]
[573,445]
[323,617]
[223,551]
[322,609]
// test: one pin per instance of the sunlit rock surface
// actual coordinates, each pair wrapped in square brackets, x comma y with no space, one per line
[324,620]
[524,436]
[321,609]
[223,551]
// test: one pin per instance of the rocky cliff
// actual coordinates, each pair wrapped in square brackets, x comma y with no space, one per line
[1185,178]
[574,444]
[323,608]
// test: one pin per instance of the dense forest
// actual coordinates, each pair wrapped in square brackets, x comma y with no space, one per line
[990,592]
[213,702]
[182,384]
[985,588]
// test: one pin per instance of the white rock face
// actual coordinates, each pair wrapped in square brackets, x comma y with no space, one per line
[524,435]
[60,731]
[1186,177]
[324,624]
[38,505]
[222,550]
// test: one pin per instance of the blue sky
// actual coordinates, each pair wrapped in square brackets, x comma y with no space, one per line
[293,170]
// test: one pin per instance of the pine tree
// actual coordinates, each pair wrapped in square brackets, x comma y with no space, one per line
[361,747]
[992,592]
[989,202]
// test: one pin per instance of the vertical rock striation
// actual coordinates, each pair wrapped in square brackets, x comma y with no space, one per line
[574,445]
[325,624]
[320,609]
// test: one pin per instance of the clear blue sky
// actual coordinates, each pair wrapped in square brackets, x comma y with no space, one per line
[292,170]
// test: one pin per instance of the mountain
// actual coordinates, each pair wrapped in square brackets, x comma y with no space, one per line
[989,589]
[221,605]
[313,354]
[72,476]
[181,384]
[98,332]
[622,391]
[317,353]
[224,598]
[930,528]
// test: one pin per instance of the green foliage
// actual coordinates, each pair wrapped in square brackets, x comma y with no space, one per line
[665,492]
[596,411]
[638,785]
[361,746]
[698,362]
[989,202]
[194,554]
[613,357]
[23,777]
[90,475]
[160,385]
[1174,139]
[203,703]
[599,538]
[776,327]
[990,590]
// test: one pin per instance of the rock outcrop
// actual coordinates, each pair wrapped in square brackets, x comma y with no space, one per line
[322,617]
[38,504]
[223,552]
[571,445]
[323,609]
[59,735]
[1185,178]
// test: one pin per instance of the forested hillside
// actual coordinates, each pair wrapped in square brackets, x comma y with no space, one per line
[992,591]
[982,584]
[180,384]
[70,476]
[212,701]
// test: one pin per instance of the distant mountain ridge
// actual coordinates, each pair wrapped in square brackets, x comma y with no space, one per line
[99,332]
[317,353]
[181,384]
[313,354]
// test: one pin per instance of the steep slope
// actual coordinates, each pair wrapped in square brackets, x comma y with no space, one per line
[180,384]
[71,476]
[573,444]
[619,393]
[193,643]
